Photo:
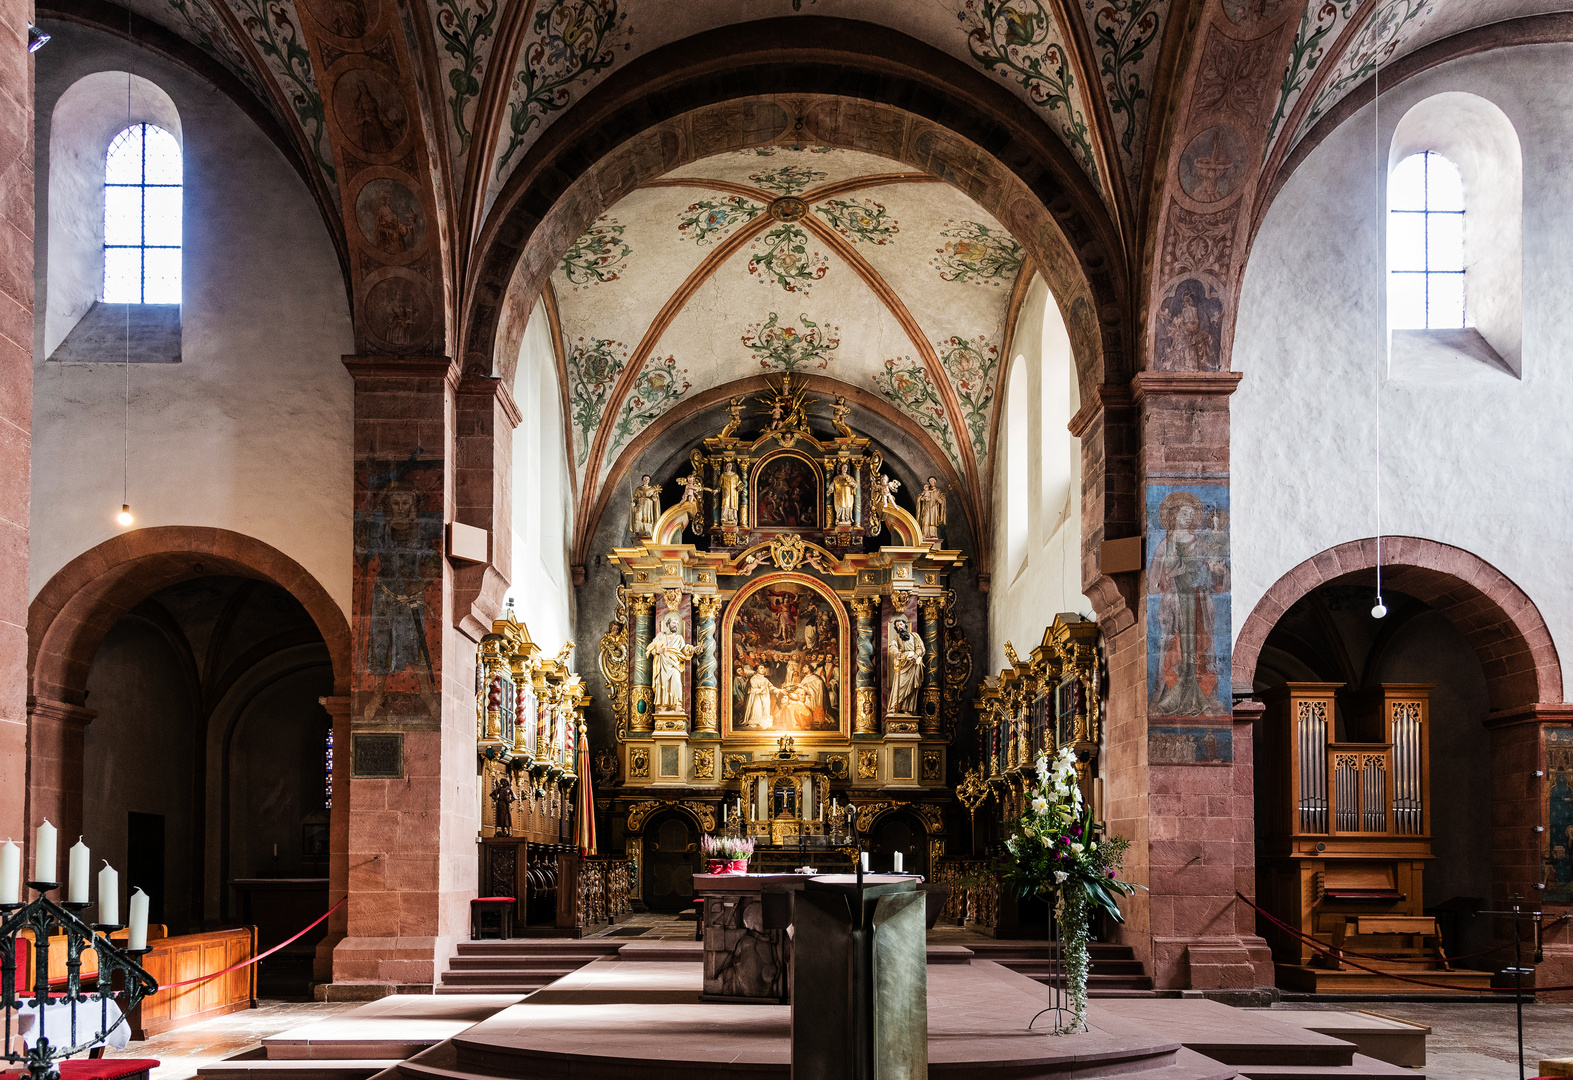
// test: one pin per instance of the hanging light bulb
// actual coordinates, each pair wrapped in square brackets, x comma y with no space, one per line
[1380,609]
[124,517]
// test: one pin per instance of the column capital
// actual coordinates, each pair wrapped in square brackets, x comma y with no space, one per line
[378,366]
[50,709]
[474,385]
[337,705]
[1184,384]
[1107,398]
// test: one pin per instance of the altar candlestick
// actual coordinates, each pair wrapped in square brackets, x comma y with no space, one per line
[108,895]
[10,873]
[136,938]
[77,883]
[44,867]
[863,860]
[897,862]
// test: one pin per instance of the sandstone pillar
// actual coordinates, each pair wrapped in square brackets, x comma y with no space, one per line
[338,837]
[16,401]
[53,759]
[413,801]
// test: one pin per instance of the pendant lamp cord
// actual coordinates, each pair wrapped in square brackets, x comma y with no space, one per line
[125,364]
[1387,337]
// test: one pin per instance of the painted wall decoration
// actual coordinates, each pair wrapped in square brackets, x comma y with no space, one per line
[1188,624]
[791,179]
[370,111]
[200,25]
[569,40]
[1190,328]
[1020,42]
[1126,36]
[1558,814]
[1213,163]
[1388,28]
[659,385]
[1311,42]
[398,588]
[390,217]
[905,383]
[785,640]
[1251,12]
[786,493]
[1198,744]
[859,220]
[598,256]
[275,31]
[593,366]
[788,348]
[971,364]
[977,253]
[463,30]
[782,256]
[709,220]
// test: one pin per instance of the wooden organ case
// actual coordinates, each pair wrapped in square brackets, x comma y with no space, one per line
[1343,827]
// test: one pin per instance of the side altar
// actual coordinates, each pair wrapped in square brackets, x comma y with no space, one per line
[785,662]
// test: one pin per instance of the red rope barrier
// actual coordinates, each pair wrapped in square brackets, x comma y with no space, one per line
[1327,950]
[259,956]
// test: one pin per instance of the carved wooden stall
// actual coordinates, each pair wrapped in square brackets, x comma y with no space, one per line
[530,719]
[794,655]
[1343,835]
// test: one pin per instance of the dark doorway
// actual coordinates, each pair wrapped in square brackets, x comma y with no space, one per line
[145,860]
[671,859]
[901,832]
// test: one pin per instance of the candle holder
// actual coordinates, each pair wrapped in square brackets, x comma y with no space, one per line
[45,919]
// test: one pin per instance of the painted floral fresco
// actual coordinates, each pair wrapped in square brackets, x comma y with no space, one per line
[463,29]
[1384,33]
[974,252]
[275,31]
[859,220]
[1021,42]
[1126,35]
[778,347]
[789,179]
[598,256]
[971,364]
[709,220]
[782,256]
[906,384]
[593,366]
[659,385]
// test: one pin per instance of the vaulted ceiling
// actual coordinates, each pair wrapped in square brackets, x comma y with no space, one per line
[788,258]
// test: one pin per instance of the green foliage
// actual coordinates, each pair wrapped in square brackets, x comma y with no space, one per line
[655,390]
[598,256]
[787,348]
[788,179]
[782,255]
[1306,52]
[1123,30]
[971,365]
[593,366]
[710,219]
[859,219]
[463,30]
[905,383]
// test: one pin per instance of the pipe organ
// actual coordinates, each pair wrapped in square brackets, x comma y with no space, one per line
[1343,836]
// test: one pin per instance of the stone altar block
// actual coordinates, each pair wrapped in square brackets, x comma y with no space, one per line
[748,954]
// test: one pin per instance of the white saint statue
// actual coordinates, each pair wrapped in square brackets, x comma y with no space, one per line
[757,711]
[931,509]
[670,653]
[843,494]
[906,669]
[646,508]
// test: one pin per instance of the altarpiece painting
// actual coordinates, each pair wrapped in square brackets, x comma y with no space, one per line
[786,644]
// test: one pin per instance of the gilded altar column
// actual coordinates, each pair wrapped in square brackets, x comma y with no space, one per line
[707,669]
[866,720]
[640,698]
[931,607]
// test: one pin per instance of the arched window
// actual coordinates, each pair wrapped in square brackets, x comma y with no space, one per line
[142,226]
[1018,501]
[1425,244]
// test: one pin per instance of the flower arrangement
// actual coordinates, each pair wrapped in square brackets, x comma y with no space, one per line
[726,854]
[1056,850]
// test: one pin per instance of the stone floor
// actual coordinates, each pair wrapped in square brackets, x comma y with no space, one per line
[182,1052]
[1471,1041]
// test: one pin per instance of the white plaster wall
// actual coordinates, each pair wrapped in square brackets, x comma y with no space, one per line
[542,501]
[253,430]
[1482,466]
[1022,603]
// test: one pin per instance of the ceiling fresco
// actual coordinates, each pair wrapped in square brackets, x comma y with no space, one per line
[788,258]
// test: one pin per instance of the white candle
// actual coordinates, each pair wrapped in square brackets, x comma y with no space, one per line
[897,858]
[864,857]
[81,863]
[44,865]
[137,939]
[10,873]
[108,895]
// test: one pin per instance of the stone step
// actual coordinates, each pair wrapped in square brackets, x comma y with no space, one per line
[521,963]
[1359,1068]
[490,979]
[1099,967]
[508,988]
[296,1069]
[599,946]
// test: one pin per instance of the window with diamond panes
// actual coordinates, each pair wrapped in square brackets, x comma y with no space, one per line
[1425,244]
[142,227]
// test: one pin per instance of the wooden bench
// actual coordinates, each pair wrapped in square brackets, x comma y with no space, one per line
[1412,931]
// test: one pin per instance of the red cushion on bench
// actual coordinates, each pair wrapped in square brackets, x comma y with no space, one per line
[493,900]
[99,1068]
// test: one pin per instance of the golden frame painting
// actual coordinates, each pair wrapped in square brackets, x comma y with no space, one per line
[787,646]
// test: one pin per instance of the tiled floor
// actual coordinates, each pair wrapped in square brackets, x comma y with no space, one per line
[1472,1041]
[182,1051]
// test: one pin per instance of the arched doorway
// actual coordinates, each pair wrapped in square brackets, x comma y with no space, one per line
[899,831]
[671,859]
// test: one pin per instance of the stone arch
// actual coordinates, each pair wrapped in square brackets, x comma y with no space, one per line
[836,82]
[69,617]
[1496,617]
